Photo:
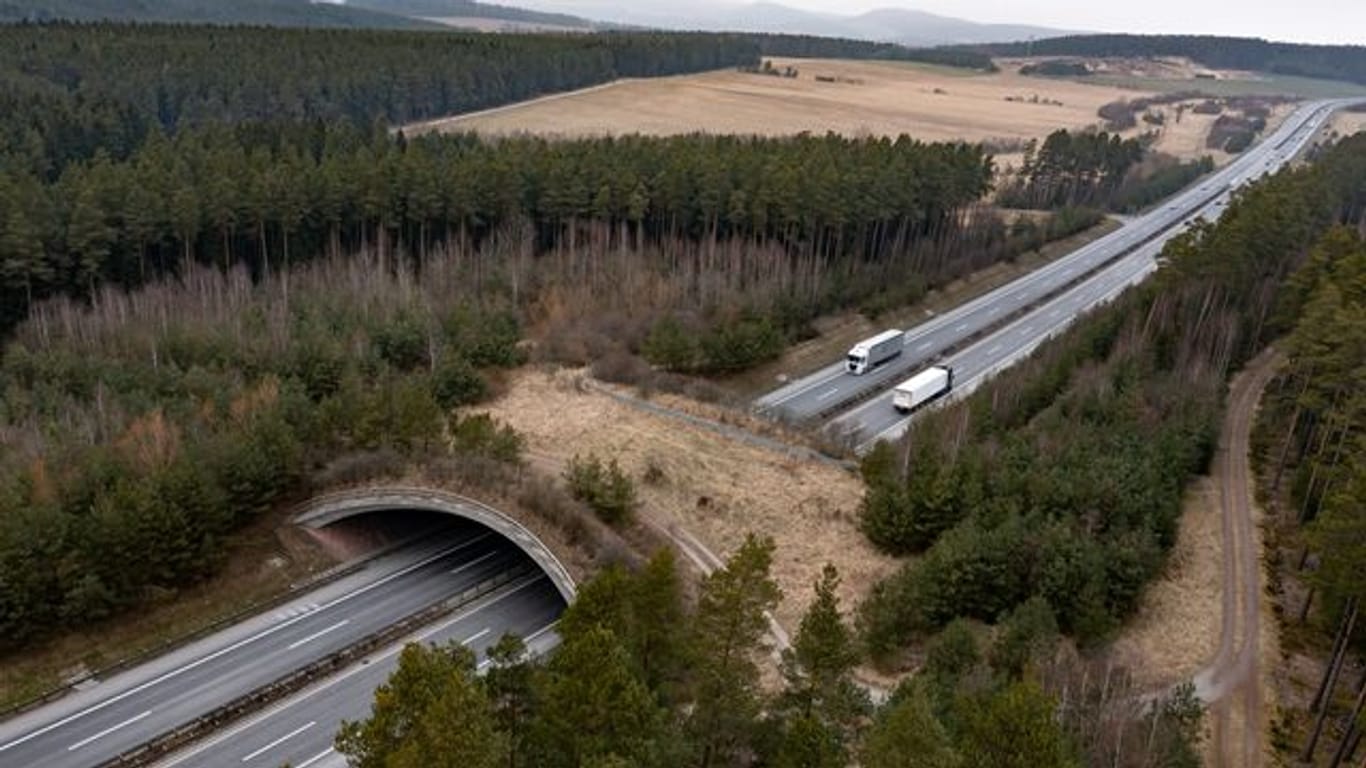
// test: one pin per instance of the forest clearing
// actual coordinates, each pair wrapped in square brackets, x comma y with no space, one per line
[710,485]
[852,98]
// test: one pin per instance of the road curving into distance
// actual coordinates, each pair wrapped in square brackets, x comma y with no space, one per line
[987,334]
[96,724]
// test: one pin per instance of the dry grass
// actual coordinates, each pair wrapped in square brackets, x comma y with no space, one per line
[716,488]
[1348,123]
[873,98]
[262,561]
[1176,629]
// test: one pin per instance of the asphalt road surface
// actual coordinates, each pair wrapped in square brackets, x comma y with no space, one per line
[300,730]
[831,390]
[93,725]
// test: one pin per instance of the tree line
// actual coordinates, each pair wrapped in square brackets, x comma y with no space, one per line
[1311,442]
[1097,170]
[267,195]
[1073,169]
[276,13]
[1064,481]
[1329,62]
[646,676]
[70,90]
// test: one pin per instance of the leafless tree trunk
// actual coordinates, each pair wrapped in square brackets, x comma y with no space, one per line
[1323,698]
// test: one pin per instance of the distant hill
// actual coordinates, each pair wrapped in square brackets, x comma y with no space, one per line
[919,28]
[1328,62]
[896,25]
[275,13]
[445,9]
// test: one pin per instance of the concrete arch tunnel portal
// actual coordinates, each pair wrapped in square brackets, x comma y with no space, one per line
[325,510]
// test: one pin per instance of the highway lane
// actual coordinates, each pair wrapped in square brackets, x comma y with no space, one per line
[300,729]
[94,725]
[829,388]
[876,419]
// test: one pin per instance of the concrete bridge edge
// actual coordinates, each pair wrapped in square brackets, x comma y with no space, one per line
[325,509]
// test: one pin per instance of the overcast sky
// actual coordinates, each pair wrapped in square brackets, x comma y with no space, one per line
[1315,21]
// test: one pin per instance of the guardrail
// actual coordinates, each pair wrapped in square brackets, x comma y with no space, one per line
[166,743]
[321,579]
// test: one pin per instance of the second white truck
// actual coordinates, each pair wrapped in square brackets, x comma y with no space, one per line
[931,383]
[870,353]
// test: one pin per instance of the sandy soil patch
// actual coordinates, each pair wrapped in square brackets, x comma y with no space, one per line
[1348,123]
[868,98]
[1176,629]
[714,487]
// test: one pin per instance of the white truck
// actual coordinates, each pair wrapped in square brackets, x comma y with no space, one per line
[931,383]
[870,353]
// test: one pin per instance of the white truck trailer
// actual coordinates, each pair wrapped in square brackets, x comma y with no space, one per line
[870,353]
[931,383]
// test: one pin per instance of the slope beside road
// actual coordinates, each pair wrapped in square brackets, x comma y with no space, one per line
[94,725]
[984,336]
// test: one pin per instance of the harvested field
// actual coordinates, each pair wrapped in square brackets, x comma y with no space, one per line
[712,486]
[865,98]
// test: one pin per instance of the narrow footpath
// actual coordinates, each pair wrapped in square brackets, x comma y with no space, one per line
[1231,684]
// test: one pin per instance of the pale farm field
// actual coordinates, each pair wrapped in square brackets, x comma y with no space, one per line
[870,98]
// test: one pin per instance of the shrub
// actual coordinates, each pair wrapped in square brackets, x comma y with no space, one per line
[669,346]
[481,435]
[402,342]
[456,383]
[741,344]
[602,486]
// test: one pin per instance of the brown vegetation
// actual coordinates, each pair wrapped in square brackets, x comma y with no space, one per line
[928,103]
[704,483]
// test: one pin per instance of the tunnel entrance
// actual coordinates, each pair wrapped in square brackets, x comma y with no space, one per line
[379,516]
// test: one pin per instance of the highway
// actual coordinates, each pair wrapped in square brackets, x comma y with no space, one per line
[1003,345]
[299,730]
[90,726]
[830,390]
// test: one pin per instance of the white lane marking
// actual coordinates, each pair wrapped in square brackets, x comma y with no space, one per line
[994,350]
[280,740]
[960,327]
[317,757]
[318,634]
[364,665]
[1054,313]
[229,649]
[475,636]
[992,310]
[107,731]
[472,563]
[924,346]
[1026,330]
[824,395]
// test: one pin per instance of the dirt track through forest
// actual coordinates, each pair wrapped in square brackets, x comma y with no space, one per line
[1232,683]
